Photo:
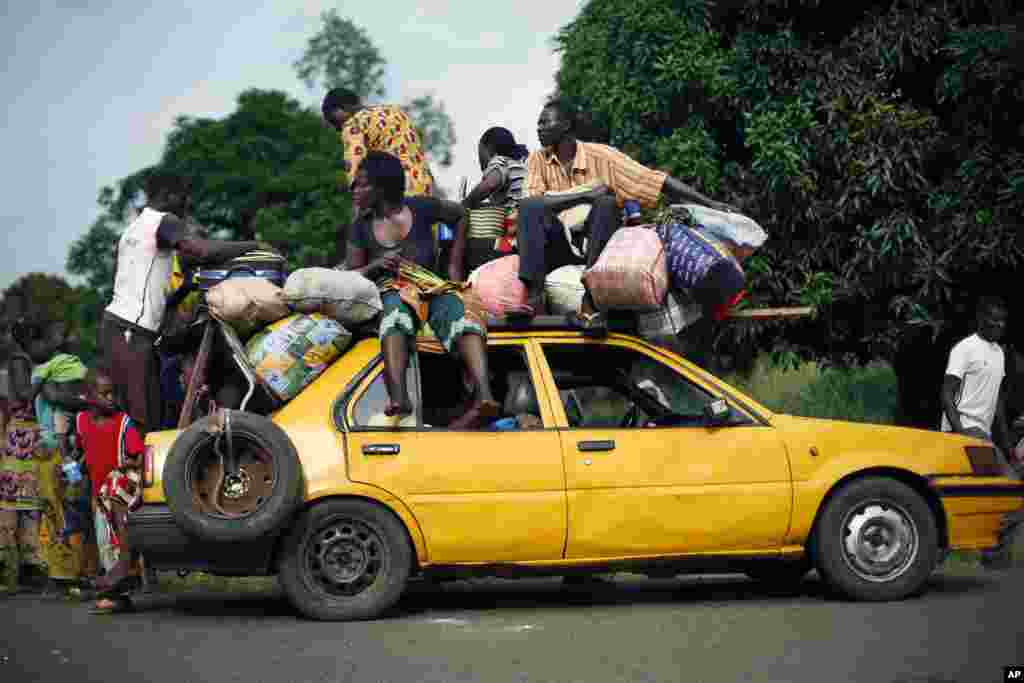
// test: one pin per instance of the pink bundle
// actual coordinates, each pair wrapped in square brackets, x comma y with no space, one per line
[631,273]
[498,285]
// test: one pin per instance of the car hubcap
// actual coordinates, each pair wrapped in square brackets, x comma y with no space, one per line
[345,557]
[880,541]
[231,496]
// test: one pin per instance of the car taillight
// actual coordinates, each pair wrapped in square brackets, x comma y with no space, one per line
[984,461]
[148,467]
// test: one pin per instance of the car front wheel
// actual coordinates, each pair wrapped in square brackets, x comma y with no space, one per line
[876,540]
[345,560]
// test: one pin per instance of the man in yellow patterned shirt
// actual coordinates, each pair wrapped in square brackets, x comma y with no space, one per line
[383,128]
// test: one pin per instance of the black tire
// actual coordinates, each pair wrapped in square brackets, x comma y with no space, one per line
[345,560]
[267,492]
[898,540]
[778,572]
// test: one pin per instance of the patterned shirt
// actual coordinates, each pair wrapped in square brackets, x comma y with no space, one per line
[594,162]
[386,128]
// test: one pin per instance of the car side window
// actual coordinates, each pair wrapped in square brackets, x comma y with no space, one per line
[615,387]
[368,410]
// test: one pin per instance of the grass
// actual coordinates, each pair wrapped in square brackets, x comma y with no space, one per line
[209,583]
[865,394]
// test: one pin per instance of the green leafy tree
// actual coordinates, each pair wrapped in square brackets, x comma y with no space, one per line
[879,143]
[269,170]
[341,54]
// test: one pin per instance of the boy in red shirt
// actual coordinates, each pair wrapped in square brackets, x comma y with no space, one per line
[113,450]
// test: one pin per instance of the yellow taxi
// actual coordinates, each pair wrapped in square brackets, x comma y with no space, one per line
[611,454]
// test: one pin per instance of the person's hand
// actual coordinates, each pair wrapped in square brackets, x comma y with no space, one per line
[387,263]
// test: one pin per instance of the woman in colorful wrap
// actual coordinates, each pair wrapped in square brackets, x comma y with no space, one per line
[391,237]
[113,452]
[21,504]
[503,164]
[59,394]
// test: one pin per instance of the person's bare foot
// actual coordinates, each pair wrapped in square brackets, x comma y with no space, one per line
[401,409]
[479,412]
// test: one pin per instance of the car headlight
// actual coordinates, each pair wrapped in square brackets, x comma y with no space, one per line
[984,461]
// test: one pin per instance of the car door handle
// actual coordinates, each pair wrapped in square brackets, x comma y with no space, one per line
[592,446]
[381,449]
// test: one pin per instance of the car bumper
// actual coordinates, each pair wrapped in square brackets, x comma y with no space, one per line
[153,532]
[975,508]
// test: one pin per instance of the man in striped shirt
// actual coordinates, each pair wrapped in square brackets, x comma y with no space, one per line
[565,163]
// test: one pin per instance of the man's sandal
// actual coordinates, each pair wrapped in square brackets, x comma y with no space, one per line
[590,324]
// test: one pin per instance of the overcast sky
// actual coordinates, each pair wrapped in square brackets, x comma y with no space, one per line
[92,87]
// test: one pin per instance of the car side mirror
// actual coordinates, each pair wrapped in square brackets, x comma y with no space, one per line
[717,412]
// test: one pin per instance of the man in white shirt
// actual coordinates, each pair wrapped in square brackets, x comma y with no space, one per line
[133,320]
[973,405]
[972,402]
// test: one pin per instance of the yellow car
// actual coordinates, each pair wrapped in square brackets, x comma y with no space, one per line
[612,454]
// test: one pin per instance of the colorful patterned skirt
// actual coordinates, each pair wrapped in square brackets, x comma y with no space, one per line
[60,535]
[20,501]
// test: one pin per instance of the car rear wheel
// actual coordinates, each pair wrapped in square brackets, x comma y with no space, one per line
[345,560]
[246,502]
[876,540]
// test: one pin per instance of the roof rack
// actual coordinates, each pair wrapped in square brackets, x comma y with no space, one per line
[625,321]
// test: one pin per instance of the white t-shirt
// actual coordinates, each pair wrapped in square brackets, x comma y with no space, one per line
[980,365]
[143,273]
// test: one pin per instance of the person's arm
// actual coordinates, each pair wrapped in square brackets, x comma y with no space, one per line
[354,142]
[1000,426]
[173,234]
[457,258]
[677,192]
[562,201]
[950,389]
[64,395]
[20,380]
[488,185]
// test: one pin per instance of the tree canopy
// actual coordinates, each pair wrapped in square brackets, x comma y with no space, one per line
[879,143]
[342,55]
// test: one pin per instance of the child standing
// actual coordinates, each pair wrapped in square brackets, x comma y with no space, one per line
[113,454]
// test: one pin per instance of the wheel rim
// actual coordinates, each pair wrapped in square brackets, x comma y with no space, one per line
[231,496]
[880,541]
[345,557]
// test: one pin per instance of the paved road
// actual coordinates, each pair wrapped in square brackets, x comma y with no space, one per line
[721,628]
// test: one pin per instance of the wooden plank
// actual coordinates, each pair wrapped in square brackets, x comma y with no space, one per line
[772,313]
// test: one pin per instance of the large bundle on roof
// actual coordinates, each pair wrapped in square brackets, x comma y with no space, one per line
[563,289]
[344,295]
[498,285]
[291,353]
[631,273]
[723,225]
[247,303]
[265,265]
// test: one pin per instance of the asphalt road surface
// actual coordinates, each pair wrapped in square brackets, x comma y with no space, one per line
[721,628]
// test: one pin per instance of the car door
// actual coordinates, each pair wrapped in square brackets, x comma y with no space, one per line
[478,495]
[649,490]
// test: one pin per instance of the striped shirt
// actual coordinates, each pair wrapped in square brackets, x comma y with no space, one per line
[594,162]
[513,177]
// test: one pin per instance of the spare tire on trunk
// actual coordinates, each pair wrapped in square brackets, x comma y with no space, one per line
[256,500]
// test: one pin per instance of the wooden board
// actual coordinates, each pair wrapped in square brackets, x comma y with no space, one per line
[772,313]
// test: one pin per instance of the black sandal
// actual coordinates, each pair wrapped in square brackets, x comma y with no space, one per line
[590,324]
